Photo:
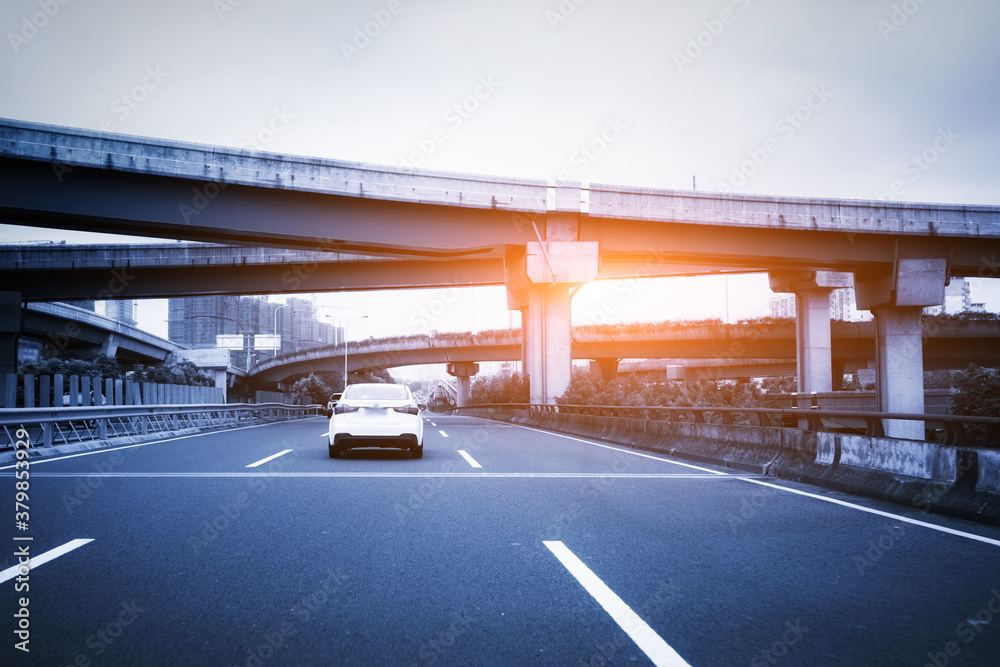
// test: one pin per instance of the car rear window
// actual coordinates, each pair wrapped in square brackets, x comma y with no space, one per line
[386,392]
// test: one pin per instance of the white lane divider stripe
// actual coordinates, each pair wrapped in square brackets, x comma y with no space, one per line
[111,450]
[644,636]
[44,558]
[472,461]
[443,433]
[269,458]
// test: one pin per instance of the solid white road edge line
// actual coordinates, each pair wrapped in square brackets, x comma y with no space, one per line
[889,515]
[108,450]
[472,461]
[269,458]
[644,636]
[44,558]
[622,448]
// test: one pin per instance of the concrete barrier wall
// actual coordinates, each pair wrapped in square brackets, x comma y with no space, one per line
[959,481]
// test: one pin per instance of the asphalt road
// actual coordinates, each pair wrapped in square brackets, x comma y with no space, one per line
[555,551]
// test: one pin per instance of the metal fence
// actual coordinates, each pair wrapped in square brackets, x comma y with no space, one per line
[29,391]
[954,429]
[45,427]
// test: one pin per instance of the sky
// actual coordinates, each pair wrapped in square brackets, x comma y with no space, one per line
[863,99]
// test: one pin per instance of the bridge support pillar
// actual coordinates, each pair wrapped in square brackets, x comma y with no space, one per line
[547,342]
[605,369]
[109,346]
[463,372]
[897,301]
[10,328]
[540,277]
[813,348]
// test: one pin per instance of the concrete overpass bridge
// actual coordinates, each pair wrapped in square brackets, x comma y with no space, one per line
[551,237]
[54,272]
[72,331]
[708,351]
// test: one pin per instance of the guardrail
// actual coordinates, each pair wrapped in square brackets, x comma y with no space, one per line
[49,426]
[954,426]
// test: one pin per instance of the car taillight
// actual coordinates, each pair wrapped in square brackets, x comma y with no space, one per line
[408,409]
[341,408]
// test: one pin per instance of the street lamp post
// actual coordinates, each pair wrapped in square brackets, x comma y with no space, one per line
[276,325]
[347,320]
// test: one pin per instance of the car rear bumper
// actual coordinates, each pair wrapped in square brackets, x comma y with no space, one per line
[344,441]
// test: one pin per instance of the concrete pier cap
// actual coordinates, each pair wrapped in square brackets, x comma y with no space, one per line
[463,372]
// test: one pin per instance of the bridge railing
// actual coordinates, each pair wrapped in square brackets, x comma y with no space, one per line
[44,427]
[955,427]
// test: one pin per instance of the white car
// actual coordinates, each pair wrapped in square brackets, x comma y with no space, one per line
[377,415]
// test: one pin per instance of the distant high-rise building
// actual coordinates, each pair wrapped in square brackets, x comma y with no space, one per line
[196,321]
[957,299]
[842,306]
[782,305]
[122,310]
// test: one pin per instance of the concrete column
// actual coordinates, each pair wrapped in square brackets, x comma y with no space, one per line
[220,381]
[897,301]
[557,345]
[109,346]
[10,328]
[813,349]
[900,367]
[539,281]
[463,372]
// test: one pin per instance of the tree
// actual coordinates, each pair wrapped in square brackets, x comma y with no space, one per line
[501,388]
[311,391]
[184,373]
[101,366]
[977,393]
